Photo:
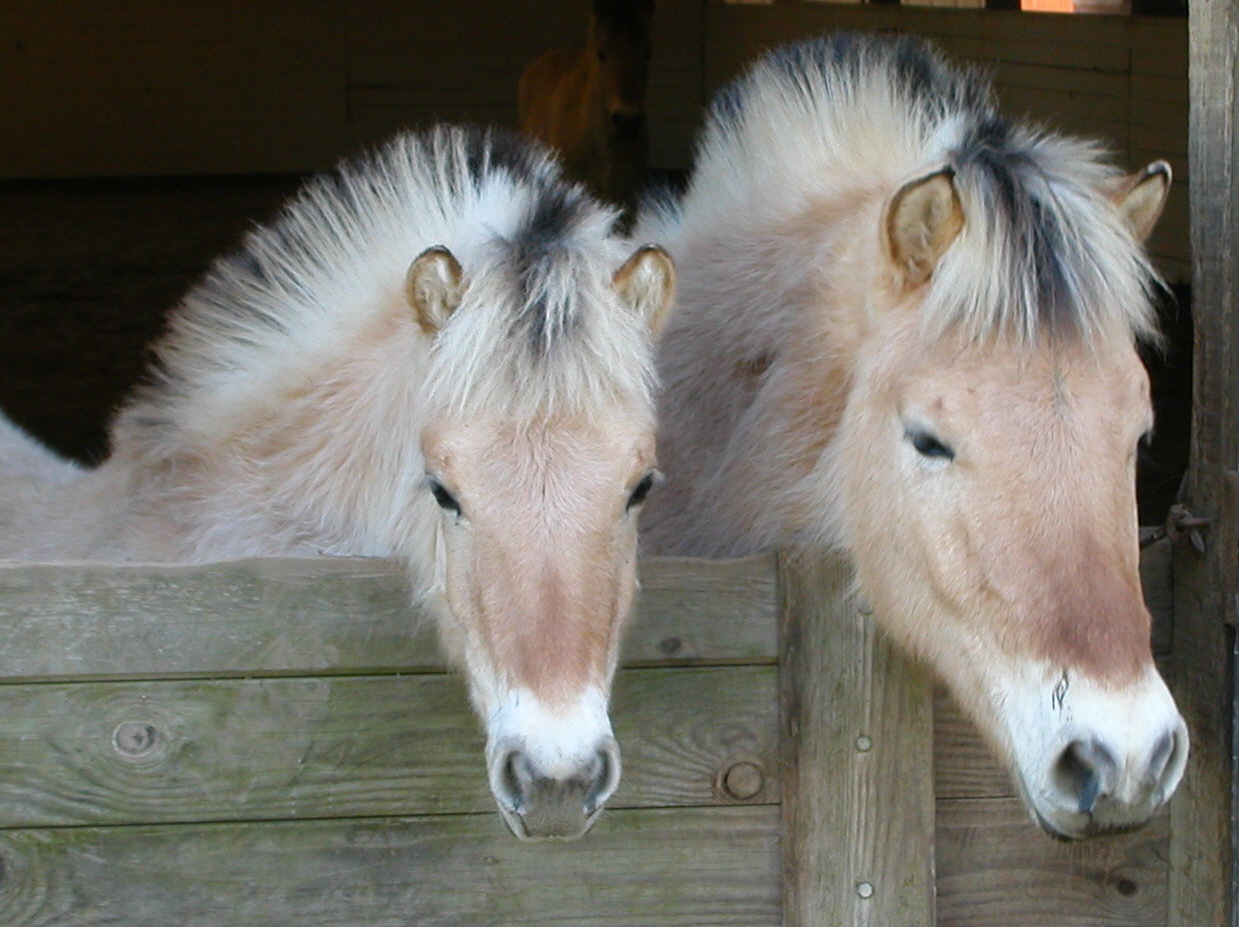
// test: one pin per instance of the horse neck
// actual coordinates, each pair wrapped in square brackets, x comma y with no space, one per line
[297,470]
[758,358]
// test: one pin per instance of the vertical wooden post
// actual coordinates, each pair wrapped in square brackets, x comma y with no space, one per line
[1201,849]
[857,754]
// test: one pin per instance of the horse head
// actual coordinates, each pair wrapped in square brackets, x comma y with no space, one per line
[538,475]
[991,511]
[619,39]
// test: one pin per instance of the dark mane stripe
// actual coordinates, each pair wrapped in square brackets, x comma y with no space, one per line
[1055,246]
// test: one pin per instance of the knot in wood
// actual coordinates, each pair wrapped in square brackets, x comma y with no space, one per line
[743,781]
[135,738]
[670,646]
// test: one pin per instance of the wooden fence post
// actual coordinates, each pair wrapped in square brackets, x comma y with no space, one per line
[857,756]
[1201,844]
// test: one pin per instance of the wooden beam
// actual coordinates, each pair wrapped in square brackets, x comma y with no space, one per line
[285,616]
[681,867]
[1201,849]
[857,736]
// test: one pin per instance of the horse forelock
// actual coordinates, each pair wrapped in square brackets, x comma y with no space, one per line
[1042,251]
[539,330]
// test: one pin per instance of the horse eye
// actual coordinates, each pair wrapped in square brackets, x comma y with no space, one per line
[446,500]
[642,489]
[602,55]
[928,446]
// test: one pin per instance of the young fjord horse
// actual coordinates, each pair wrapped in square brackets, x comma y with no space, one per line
[439,353]
[907,327]
[589,104]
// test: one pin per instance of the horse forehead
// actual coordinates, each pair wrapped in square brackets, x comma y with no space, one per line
[575,450]
[1019,384]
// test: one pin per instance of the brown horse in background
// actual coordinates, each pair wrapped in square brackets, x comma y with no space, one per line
[589,104]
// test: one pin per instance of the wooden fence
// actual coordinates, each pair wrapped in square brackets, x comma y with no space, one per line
[275,742]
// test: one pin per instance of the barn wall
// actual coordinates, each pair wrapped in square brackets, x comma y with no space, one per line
[186,87]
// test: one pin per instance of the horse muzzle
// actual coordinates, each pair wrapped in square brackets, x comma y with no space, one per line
[556,803]
[1113,760]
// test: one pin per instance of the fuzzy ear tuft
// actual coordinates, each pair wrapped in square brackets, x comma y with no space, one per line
[1141,196]
[922,219]
[433,287]
[646,285]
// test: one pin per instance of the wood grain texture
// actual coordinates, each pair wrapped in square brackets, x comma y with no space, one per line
[1202,854]
[680,868]
[271,749]
[995,870]
[857,735]
[334,615]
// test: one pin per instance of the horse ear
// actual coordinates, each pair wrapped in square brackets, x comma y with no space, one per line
[646,284]
[1141,196]
[922,219]
[432,287]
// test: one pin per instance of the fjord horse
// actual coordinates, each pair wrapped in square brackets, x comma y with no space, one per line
[589,104]
[439,352]
[907,327]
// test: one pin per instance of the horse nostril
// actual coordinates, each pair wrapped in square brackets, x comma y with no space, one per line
[514,781]
[1083,772]
[1166,763]
[606,777]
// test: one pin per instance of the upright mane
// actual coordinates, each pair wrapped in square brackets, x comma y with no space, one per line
[537,256]
[1041,251]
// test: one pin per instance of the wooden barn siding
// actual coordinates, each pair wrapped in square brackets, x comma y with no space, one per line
[1203,853]
[265,742]
[124,87]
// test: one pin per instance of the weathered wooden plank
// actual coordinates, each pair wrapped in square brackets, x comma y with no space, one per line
[96,90]
[1150,89]
[268,749]
[964,766]
[1202,853]
[681,868]
[858,803]
[1078,54]
[1159,45]
[288,616]
[996,868]
[1062,79]
[1080,114]
[1169,141]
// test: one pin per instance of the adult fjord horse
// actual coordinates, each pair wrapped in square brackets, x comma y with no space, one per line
[589,104]
[439,352]
[908,327]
